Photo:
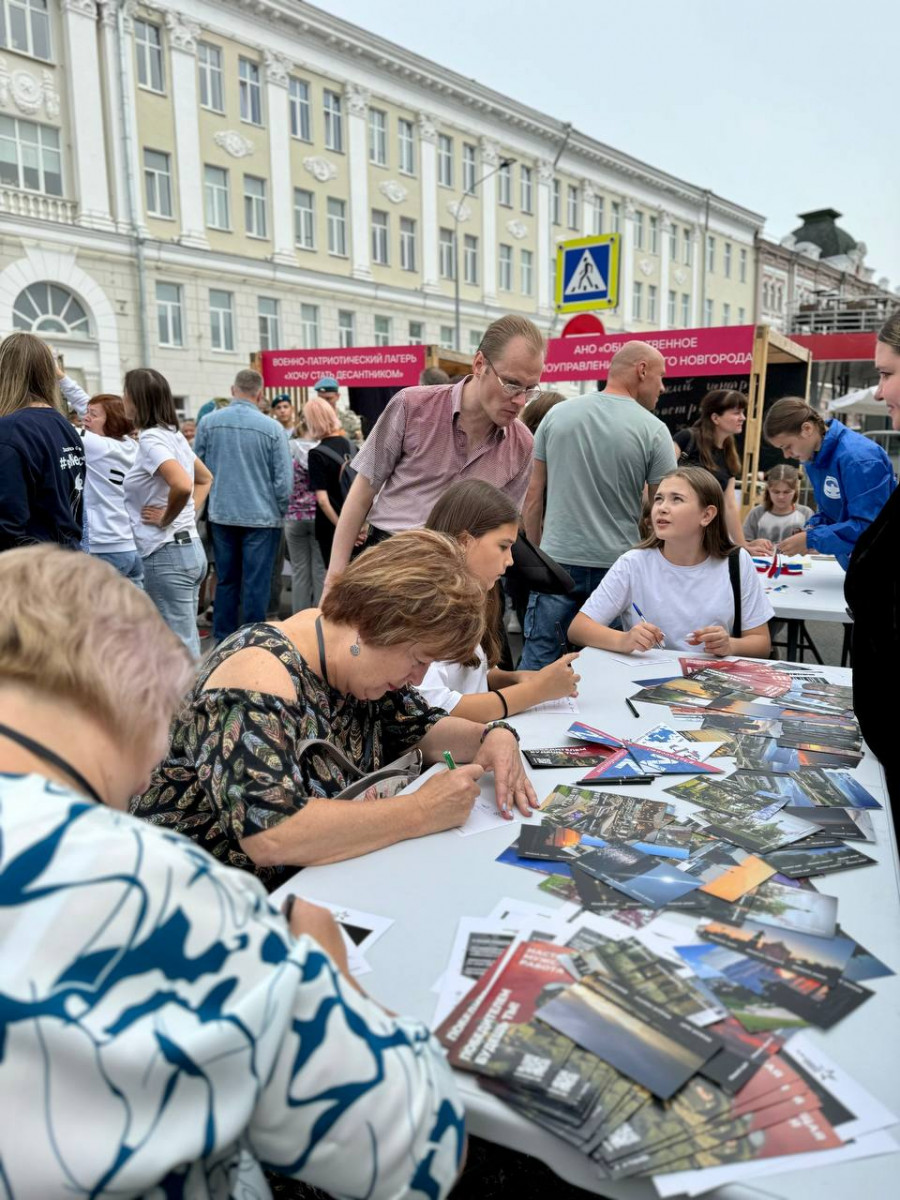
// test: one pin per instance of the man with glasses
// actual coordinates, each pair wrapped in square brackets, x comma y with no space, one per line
[430,437]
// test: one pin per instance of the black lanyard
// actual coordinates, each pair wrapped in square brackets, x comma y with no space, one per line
[320,638]
[49,756]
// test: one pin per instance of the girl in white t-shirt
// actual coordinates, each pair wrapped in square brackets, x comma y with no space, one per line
[675,589]
[486,523]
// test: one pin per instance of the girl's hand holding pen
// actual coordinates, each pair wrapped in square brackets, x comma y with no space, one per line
[643,637]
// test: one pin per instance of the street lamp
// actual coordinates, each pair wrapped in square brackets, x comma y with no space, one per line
[455,211]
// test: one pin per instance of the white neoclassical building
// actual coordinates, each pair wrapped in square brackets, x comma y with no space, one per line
[183,185]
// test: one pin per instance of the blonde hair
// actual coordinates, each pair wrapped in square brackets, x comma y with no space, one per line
[320,418]
[27,374]
[414,588]
[501,332]
[72,628]
[782,473]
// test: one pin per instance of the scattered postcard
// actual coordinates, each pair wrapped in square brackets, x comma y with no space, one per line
[737,880]
[553,843]
[762,831]
[510,857]
[798,862]
[821,958]
[638,875]
[798,909]
[864,965]
[743,985]
[664,737]
[850,824]
[567,756]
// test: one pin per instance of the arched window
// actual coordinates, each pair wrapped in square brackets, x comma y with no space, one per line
[47,308]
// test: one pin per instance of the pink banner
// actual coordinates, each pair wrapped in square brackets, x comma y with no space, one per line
[724,350]
[363,366]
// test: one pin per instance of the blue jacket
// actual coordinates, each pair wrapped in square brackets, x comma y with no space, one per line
[852,478]
[248,454]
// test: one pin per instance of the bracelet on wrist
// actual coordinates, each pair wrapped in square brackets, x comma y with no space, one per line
[498,725]
[497,692]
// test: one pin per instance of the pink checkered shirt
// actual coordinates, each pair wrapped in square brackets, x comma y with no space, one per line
[417,449]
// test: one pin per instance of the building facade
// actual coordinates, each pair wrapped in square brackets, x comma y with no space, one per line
[181,186]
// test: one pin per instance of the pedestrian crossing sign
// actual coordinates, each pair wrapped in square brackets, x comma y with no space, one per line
[587,273]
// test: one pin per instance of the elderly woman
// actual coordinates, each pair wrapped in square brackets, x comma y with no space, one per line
[238,778]
[164,1030]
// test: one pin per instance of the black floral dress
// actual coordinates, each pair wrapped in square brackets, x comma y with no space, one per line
[232,769]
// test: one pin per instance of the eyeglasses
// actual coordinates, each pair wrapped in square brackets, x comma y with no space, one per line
[513,390]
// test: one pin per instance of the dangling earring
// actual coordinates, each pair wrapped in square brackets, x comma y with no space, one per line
[354,648]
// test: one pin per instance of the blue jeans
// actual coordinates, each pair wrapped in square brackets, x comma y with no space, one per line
[544,613]
[244,559]
[172,578]
[127,562]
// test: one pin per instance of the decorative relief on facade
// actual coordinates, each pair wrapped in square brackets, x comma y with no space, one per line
[679,275]
[277,68]
[518,229]
[490,152]
[86,8]
[183,34]
[320,168]
[233,143]
[394,191]
[545,170]
[459,210]
[357,99]
[427,129]
[646,266]
[26,92]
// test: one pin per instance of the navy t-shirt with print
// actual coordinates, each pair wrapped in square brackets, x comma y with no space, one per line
[41,479]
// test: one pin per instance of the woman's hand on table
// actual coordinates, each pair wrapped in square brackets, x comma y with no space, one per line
[793,545]
[714,638]
[500,753]
[447,798]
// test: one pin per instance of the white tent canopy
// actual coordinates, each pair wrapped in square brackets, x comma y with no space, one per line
[862,401]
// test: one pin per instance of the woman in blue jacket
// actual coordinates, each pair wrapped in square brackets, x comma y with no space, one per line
[851,475]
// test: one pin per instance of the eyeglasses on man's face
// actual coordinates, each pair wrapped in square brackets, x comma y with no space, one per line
[510,388]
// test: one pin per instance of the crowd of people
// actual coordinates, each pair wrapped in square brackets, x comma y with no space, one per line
[149,800]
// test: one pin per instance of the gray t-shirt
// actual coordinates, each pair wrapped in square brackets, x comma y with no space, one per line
[760,523]
[600,450]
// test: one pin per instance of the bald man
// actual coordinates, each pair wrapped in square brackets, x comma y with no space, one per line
[593,456]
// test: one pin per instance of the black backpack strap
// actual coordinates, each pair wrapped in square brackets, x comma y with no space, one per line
[340,459]
[734,574]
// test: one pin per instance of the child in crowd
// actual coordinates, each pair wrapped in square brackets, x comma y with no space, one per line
[686,577]
[486,523]
[779,516]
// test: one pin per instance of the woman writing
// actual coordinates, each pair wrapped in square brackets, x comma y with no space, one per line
[687,577]
[485,523]
[851,475]
[163,491]
[239,778]
[144,981]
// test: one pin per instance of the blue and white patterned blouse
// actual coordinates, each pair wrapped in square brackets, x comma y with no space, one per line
[161,1032]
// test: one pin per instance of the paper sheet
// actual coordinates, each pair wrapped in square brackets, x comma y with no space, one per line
[485,815]
[565,704]
[642,658]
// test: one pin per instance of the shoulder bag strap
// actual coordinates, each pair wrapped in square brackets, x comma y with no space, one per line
[734,573]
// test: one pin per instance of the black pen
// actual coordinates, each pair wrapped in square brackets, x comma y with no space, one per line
[562,639]
[288,906]
[617,782]
[634,711]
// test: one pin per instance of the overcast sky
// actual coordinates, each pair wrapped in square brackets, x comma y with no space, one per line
[781,105]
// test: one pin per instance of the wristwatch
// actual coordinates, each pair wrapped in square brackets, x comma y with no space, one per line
[498,725]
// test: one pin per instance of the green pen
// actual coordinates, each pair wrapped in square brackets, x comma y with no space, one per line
[448,759]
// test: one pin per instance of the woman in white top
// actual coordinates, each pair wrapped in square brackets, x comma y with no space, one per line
[163,490]
[675,589]
[110,449]
[486,523]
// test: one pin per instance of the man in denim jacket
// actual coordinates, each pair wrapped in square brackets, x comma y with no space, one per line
[249,457]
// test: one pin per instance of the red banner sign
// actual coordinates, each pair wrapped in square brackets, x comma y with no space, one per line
[721,351]
[362,366]
[837,347]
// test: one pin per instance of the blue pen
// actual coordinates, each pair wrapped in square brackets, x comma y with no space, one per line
[661,641]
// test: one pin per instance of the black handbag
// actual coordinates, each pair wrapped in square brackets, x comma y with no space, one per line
[535,571]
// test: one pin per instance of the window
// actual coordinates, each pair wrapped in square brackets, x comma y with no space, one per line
[406,144]
[445,160]
[616,212]
[304,219]
[168,314]
[209,68]
[475,336]
[346,329]
[407,244]
[526,263]
[309,326]
[555,203]
[654,235]
[637,301]
[638,230]
[726,260]
[469,168]
[47,308]
[148,47]
[673,243]
[382,331]
[157,183]
[710,253]
[572,206]
[470,258]
[707,312]
[379,237]
[687,247]
[215,187]
[378,137]
[221,320]
[726,314]
[337,227]
[651,302]
[250,91]
[505,269]
[504,185]
[597,215]
[446,247]
[29,156]
[670,309]
[742,266]
[526,190]
[416,333]
[301,114]
[685,310]
[742,316]
[334,121]
[447,338]
[255,207]
[267,311]
[25,26]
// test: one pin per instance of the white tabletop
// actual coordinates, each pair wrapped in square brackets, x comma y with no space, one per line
[426,885]
[816,595]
